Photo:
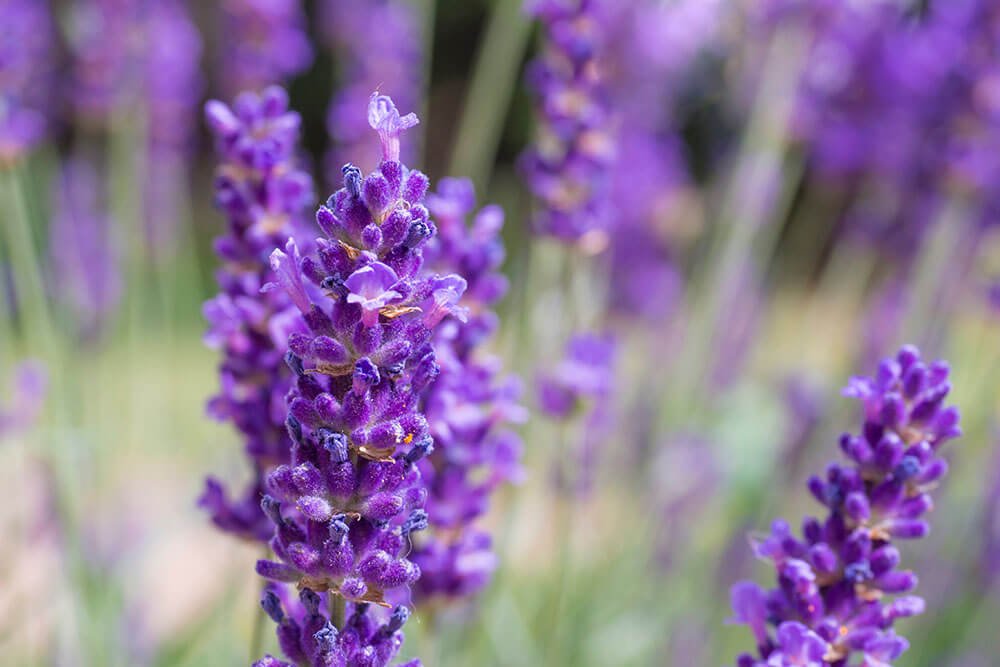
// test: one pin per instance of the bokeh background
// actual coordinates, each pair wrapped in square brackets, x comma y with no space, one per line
[798,188]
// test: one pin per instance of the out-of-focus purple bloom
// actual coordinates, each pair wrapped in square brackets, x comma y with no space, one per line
[585,374]
[142,60]
[263,42]
[264,195]
[377,46]
[839,588]
[28,387]
[27,41]
[172,90]
[83,250]
[568,167]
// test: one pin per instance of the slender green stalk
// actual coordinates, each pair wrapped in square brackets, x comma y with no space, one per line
[29,284]
[338,610]
[494,77]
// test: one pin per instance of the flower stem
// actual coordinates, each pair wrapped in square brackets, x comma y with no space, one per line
[493,82]
[338,610]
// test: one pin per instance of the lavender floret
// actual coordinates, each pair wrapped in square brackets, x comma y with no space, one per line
[839,588]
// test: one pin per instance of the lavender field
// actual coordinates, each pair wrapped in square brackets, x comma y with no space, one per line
[358,333]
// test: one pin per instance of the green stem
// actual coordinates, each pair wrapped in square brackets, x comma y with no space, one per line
[494,78]
[338,610]
[29,284]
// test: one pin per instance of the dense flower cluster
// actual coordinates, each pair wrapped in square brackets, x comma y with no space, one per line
[308,637]
[832,601]
[263,42]
[470,406]
[346,505]
[568,168]
[27,43]
[377,46]
[264,195]
[85,254]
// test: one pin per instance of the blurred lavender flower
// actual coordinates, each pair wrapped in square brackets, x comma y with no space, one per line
[470,406]
[263,194]
[586,374]
[347,504]
[568,167]
[27,44]
[830,603]
[28,386]
[263,42]
[173,89]
[83,250]
[581,387]
[133,57]
[377,46]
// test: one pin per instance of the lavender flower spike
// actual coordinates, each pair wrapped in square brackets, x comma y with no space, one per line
[839,588]
[346,507]
[263,194]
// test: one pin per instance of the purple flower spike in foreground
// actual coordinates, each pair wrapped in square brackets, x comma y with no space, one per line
[348,505]
[569,167]
[263,194]
[839,588]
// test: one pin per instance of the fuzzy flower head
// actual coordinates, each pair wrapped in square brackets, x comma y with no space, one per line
[384,118]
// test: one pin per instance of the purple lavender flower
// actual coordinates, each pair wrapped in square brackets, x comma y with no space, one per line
[838,589]
[471,406]
[377,47]
[347,504]
[27,39]
[585,374]
[568,168]
[264,42]
[83,250]
[308,638]
[263,194]
[27,396]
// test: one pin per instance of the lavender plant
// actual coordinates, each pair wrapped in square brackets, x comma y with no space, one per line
[346,506]
[263,193]
[839,587]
